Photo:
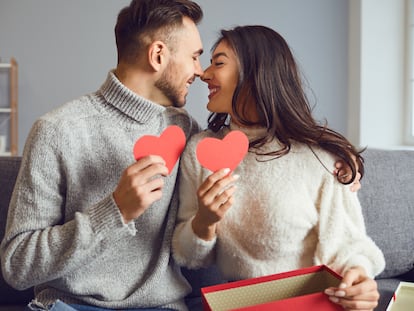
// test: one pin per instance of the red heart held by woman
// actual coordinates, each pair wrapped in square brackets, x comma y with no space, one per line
[215,154]
[169,145]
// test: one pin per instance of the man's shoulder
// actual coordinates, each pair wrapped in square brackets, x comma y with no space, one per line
[73,109]
[181,117]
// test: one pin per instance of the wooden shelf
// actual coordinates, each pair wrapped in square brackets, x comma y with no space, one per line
[12,134]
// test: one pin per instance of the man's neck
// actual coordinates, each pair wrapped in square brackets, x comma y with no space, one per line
[141,82]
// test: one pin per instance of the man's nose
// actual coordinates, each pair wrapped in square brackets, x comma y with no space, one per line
[199,70]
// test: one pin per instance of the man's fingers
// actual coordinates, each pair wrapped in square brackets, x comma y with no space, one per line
[139,186]
[146,168]
[148,160]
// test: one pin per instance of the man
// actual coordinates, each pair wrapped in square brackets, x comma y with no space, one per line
[88,225]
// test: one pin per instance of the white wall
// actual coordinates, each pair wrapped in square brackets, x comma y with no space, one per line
[65,48]
[377,72]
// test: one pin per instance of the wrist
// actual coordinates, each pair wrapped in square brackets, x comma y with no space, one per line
[203,231]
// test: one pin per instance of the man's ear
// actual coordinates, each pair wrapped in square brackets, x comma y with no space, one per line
[157,54]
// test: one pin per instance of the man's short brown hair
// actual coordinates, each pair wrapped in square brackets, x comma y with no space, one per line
[144,21]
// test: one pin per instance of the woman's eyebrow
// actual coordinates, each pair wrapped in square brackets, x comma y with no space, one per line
[217,55]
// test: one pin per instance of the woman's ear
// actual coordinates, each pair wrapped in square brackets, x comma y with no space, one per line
[157,53]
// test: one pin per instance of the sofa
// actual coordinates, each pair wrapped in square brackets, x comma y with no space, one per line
[387,198]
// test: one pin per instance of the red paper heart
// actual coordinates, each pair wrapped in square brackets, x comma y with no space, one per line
[169,145]
[215,154]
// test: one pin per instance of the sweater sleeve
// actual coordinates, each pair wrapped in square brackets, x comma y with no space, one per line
[343,241]
[188,249]
[40,242]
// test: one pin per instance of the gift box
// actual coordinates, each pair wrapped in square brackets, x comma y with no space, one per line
[403,298]
[297,290]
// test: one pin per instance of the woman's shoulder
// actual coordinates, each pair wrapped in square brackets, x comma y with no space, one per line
[314,157]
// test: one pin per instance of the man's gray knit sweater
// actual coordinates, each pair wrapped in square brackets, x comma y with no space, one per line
[65,234]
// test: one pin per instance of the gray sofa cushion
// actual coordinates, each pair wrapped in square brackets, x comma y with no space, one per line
[9,167]
[387,198]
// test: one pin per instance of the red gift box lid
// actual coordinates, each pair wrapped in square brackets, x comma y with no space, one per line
[294,290]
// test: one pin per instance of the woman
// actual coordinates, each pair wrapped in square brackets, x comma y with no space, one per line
[287,210]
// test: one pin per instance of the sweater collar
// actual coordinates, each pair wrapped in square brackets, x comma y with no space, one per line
[133,105]
[252,133]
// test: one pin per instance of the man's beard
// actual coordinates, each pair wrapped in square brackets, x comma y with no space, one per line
[164,83]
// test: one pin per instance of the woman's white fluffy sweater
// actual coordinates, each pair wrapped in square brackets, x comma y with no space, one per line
[288,213]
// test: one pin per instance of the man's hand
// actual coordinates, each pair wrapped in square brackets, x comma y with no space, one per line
[139,186]
[343,173]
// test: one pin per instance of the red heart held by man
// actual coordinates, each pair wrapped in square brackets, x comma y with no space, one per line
[169,145]
[215,154]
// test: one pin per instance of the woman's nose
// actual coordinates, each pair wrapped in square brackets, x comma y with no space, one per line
[206,75]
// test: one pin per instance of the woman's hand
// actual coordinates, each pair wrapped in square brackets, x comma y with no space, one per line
[215,197]
[356,292]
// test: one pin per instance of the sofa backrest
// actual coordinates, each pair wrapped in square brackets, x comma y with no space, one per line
[387,199]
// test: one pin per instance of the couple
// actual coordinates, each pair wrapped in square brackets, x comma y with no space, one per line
[92,229]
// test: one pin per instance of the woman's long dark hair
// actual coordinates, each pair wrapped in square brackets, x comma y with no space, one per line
[269,77]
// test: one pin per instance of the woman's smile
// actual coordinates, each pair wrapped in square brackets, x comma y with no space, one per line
[213,91]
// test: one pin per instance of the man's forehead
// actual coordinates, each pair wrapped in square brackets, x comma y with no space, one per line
[192,40]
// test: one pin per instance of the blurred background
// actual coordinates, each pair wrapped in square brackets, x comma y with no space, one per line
[352,53]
